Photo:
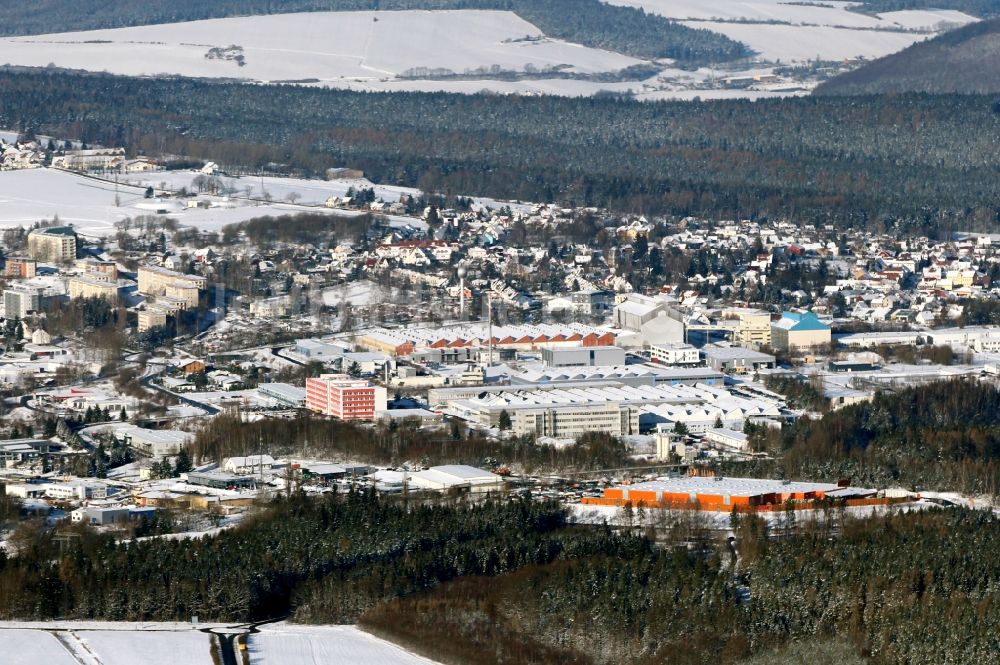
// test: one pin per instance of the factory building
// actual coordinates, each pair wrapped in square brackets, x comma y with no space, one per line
[520,337]
[633,375]
[719,494]
[568,410]
[674,354]
[594,356]
[736,359]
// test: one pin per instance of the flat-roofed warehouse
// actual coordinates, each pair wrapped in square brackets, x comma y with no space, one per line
[635,375]
[569,410]
[717,493]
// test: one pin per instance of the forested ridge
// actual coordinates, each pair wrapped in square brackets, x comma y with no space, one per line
[592,23]
[509,581]
[918,162]
[965,60]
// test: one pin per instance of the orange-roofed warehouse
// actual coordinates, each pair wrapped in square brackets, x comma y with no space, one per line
[721,494]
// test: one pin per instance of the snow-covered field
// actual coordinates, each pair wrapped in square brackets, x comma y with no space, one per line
[927,19]
[89,205]
[835,13]
[358,294]
[793,43]
[825,13]
[801,32]
[31,647]
[149,647]
[330,46]
[284,644]
[102,643]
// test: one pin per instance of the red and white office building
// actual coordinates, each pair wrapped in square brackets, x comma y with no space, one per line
[344,397]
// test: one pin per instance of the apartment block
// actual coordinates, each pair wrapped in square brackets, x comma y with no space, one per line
[151,318]
[56,244]
[19,302]
[85,286]
[157,281]
[345,398]
[19,267]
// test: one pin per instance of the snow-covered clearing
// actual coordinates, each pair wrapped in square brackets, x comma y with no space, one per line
[791,43]
[285,644]
[821,13]
[31,647]
[927,19]
[102,643]
[825,13]
[358,294]
[149,647]
[329,46]
[89,205]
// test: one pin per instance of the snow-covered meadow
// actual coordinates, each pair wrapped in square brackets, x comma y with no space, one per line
[103,643]
[94,206]
[328,46]
[285,644]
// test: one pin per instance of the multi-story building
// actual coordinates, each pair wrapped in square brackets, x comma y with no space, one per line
[674,354]
[85,286]
[799,331]
[754,330]
[106,271]
[343,397]
[19,267]
[21,301]
[157,281]
[55,244]
[151,318]
[101,159]
[582,356]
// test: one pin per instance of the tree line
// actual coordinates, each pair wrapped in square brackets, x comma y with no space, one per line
[915,163]
[943,435]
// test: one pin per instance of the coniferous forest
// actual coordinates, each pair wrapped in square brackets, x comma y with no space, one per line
[903,588]
[944,435]
[923,163]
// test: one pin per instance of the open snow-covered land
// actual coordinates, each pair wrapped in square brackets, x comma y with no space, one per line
[30,647]
[284,644]
[795,43]
[103,643]
[93,206]
[835,13]
[328,46]
[794,32]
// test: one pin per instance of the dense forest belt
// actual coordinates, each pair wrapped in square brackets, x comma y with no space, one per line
[510,581]
[589,22]
[914,588]
[941,436]
[923,162]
